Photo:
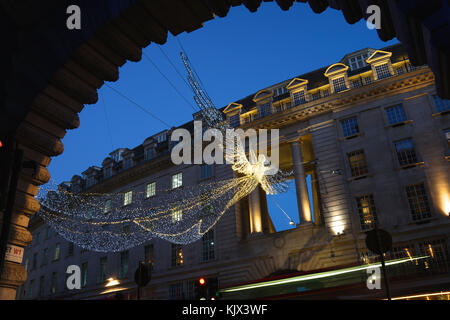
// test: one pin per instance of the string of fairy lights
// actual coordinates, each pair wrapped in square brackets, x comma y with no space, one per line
[101,222]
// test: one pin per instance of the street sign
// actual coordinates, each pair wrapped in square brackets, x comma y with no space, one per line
[14,253]
[372,241]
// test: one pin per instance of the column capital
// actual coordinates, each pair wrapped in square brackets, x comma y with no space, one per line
[294,138]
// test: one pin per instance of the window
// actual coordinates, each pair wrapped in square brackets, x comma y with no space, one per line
[30,290]
[405,152]
[127,163]
[44,257]
[357,162]
[418,201]
[150,190]
[177,180]
[102,270]
[177,255]
[34,266]
[264,109]
[123,271]
[395,114]
[315,95]
[358,62]
[70,249]
[57,251]
[356,83]
[49,233]
[149,254]
[25,265]
[107,172]
[107,207]
[368,80]
[235,120]
[382,71]
[339,84]
[53,283]
[441,105]
[299,97]
[38,237]
[206,171]
[279,91]
[208,246]
[447,137]
[90,181]
[367,212]
[177,215]
[149,154]
[439,257]
[127,198]
[41,286]
[350,126]
[176,291]
[84,270]
[161,137]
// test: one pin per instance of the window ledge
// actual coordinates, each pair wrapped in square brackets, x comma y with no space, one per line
[363,176]
[359,134]
[422,221]
[411,165]
[398,124]
[437,114]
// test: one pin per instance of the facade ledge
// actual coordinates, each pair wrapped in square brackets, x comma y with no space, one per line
[411,165]
[399,124]
[442,113]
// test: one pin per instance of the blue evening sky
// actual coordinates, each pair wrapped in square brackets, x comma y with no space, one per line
[235,56]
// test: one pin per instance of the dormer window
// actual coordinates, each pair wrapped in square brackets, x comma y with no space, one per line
[339,84]
[279,91]
[382,71]
[161,137]
[149,154]
[264,109]
[90,181]
[235,120]
[299,97]
[358,62]
[107,172]
[127,163]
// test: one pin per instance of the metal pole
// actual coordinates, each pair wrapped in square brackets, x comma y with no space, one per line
[7,214]
[383,265]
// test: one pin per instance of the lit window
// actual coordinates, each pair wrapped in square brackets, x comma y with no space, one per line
[57,251]
[382,71]
[177,255]
[177,180]
[438,255]
[208,246]
[357,162]
[339,84]
[405,152]
[150,190]
[177,215]
[206,171]
[418,201]
[395,114]
[441,105]
[108,207]
[367,211]
[127,198]
[350,126]
[299,97]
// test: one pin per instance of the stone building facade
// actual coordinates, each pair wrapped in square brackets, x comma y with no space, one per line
[369,130]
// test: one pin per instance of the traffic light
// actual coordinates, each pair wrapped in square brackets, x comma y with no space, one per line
[206,289]
[201,289]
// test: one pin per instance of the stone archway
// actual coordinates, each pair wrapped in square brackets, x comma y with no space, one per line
[51,72]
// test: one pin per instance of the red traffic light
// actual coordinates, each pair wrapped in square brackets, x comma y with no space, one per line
[1,143]
[202,281]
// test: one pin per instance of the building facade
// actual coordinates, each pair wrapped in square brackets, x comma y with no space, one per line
[369,131]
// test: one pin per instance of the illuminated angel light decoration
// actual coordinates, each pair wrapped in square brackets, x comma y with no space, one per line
[182,215]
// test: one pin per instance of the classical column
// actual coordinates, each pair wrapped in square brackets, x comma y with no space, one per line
[255,211]
[304,209]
